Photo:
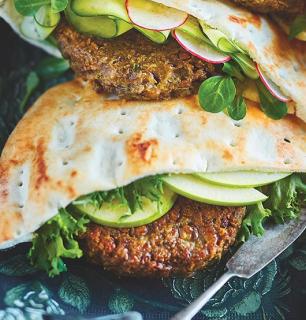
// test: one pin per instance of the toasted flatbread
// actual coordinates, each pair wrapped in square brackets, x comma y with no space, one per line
[283,60]
[74,141]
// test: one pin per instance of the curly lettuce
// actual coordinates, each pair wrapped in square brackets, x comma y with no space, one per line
[286,198]
[55,240]
[131,195]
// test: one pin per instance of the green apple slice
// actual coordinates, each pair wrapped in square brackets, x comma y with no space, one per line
[197,189]
[243,178]
[120,216]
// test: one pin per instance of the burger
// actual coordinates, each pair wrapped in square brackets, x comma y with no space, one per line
[144,188]
[143,49]
[183,132]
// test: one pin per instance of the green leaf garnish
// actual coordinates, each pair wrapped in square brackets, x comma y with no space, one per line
[58,5]
[31,84]
[286,199]
[298,26]
[131,195]
[51,67]
[287,196]
[55,240]
[29,7]
[237,109]
[216,93]
[253,222]
[247,65]
[233,69]
[271,106]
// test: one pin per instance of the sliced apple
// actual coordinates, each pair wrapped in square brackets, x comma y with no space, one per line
[242,179]
[154,16]
[199,48]
[271,86]
[199,190]
[120,216]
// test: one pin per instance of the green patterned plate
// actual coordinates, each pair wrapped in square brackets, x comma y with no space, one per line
[277,292]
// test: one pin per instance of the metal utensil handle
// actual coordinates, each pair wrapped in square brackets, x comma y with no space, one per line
[199,303]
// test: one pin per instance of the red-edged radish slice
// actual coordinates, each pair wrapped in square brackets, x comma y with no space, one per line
[154,16]
[199,48]
[271,86]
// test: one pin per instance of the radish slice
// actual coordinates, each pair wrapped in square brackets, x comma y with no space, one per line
[154,16]
[199,48]
[271,86]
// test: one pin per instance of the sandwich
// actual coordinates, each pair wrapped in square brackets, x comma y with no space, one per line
[224,51]
[144,188]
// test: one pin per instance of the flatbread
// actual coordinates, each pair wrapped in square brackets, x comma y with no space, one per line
[283,60]
[74,141]
[14,19]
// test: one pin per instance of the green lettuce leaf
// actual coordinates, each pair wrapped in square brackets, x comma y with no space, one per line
[55,240]
[253,222]
[286,199]
[131,195]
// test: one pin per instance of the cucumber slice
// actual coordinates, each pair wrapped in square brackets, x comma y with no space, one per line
[93,8]
[246,64]
[121,217]
[192,27]
[32,30]
[199,190]
[45,17]
[100,26]
[154,16]
[242,179]
[156,36]
[115,9]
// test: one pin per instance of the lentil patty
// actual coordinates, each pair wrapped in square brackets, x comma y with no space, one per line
[132,66]
[289,7]
[189,237]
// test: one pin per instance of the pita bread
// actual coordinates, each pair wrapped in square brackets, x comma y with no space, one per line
[74,141]
[283,60]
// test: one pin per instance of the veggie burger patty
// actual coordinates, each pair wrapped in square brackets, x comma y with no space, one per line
[274,6]
[132,66]
[189,237]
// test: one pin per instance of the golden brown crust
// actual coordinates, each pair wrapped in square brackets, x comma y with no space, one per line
[188,238]
[73,142]
[274,6]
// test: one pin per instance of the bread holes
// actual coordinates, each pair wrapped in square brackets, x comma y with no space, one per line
[20,206]
[65,163]
[120,163]
[287,140]
[72,123]
[287,161]
[237,124]
[120,131]
[123,113]
[180,111]
[20,184]
[233,144]
[177,135]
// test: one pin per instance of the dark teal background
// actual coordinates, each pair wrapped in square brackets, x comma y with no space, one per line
[277,292]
